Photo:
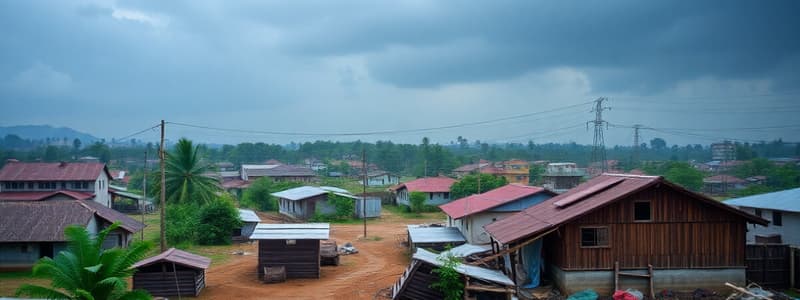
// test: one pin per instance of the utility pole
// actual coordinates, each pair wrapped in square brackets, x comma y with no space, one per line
[479,174]
[599,147]
[636,144]
[163,203]
[364,186]
[144,190]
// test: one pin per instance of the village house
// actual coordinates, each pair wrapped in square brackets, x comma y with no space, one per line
[781,208]
[21,181]
[560,177]
[471,213]
[295,248]
[249,221]
[722,184]
[381,178]
[436,189]
[32,229]
[626,222]
[514,171]
[171,273]
[306,201]
[281,172]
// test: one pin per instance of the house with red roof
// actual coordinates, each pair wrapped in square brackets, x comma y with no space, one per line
[625,222]
[471,213]
[436,189]
[35,181]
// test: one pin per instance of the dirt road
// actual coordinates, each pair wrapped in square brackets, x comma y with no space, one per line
[379,263]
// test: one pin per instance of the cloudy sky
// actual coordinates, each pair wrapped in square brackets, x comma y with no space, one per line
[694,71]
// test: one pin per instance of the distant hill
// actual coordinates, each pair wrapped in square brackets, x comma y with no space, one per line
[42,132]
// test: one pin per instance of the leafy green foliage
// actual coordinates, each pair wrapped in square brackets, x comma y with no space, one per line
[450,282]
[344,209]
[469,185]
[187,176]
[182,222]
[258,195]
[416,201]
[683,174]
[535,173]
[216,222]
[753,190]
[87,271]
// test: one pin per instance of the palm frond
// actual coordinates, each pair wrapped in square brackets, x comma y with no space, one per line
[35,291]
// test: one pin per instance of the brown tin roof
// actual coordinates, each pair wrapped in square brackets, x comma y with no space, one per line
[176,256]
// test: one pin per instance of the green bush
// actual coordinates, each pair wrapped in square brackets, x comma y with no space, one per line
[449,280]
[417,201]
[258,195]
[217,220]
[181,222]
[344,209]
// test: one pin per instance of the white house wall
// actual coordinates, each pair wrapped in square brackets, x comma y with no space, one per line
[101,190]
[472,226]
[789,231]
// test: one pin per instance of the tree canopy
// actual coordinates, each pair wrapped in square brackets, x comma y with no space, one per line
[469,185]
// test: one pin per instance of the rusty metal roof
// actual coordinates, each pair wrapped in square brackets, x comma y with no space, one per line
[481,202]
[607,188]
[176,256]
[45,221]
[42,195]
[428,185]
[25,171]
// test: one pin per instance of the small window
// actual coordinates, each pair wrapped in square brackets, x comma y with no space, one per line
[758,212]
[446,195]
[85,185]
[777,218]
[30,185]
[291,242]
[642,211]
[594,237]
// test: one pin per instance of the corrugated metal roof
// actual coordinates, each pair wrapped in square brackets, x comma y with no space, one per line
[465,250]
[304,231]
[24,171]
[481,202]
[468,270]
[45,221]
[428,185]
[335,189]
[786,200]
[176,256]
[248,216]
[546,215]
[36,196]
[299,193]
[419,234]
[723,178]
[282,170]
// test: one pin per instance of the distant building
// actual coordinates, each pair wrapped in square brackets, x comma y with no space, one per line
[467,169]
[436,189]
[722,184]
[20,181]
[225,166]
[560,177]
[381,178]
[277,173]
[781,208]
[723,151]
[515,170]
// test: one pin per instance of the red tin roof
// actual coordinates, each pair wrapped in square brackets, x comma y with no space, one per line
[428,185]
[547,215]
[36,196]
[63,171]
[480,202]
[176,256]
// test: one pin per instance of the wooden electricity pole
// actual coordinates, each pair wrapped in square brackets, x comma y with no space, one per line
[364,186]
[163,203]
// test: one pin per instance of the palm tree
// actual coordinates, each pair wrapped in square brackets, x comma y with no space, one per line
[187,176]
[86,271]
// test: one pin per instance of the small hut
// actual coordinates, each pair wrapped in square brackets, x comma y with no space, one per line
[296,247]
[249,221]
[172,273]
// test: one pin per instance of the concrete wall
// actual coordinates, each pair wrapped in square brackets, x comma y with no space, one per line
[101,190]
[382,180]
[18,254]
[437,199]
[789,231]
[685,280]
[472,226]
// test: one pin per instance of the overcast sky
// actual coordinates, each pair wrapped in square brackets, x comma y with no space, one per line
[692,69]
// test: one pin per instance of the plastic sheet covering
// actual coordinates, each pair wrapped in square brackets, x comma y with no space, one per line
[532,255]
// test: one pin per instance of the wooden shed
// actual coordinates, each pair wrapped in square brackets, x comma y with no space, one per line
[249,222]
[172,273]
[293,246]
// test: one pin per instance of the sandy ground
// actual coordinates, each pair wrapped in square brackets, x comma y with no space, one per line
[379,263]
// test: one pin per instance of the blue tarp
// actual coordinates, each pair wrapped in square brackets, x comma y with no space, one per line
[532,255]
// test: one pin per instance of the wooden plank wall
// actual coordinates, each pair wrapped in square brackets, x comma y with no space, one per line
[683,233]
[301,259]
[418,285]
[769,265]
[160,284]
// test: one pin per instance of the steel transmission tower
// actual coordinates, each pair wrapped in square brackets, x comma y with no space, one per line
[636,143]
[599,148]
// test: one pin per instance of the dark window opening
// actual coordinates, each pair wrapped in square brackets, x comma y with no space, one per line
[594,237]
[758,212]
[777,218]
[642,211]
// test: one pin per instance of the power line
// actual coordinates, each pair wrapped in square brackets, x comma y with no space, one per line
[137,133]
[384,132]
